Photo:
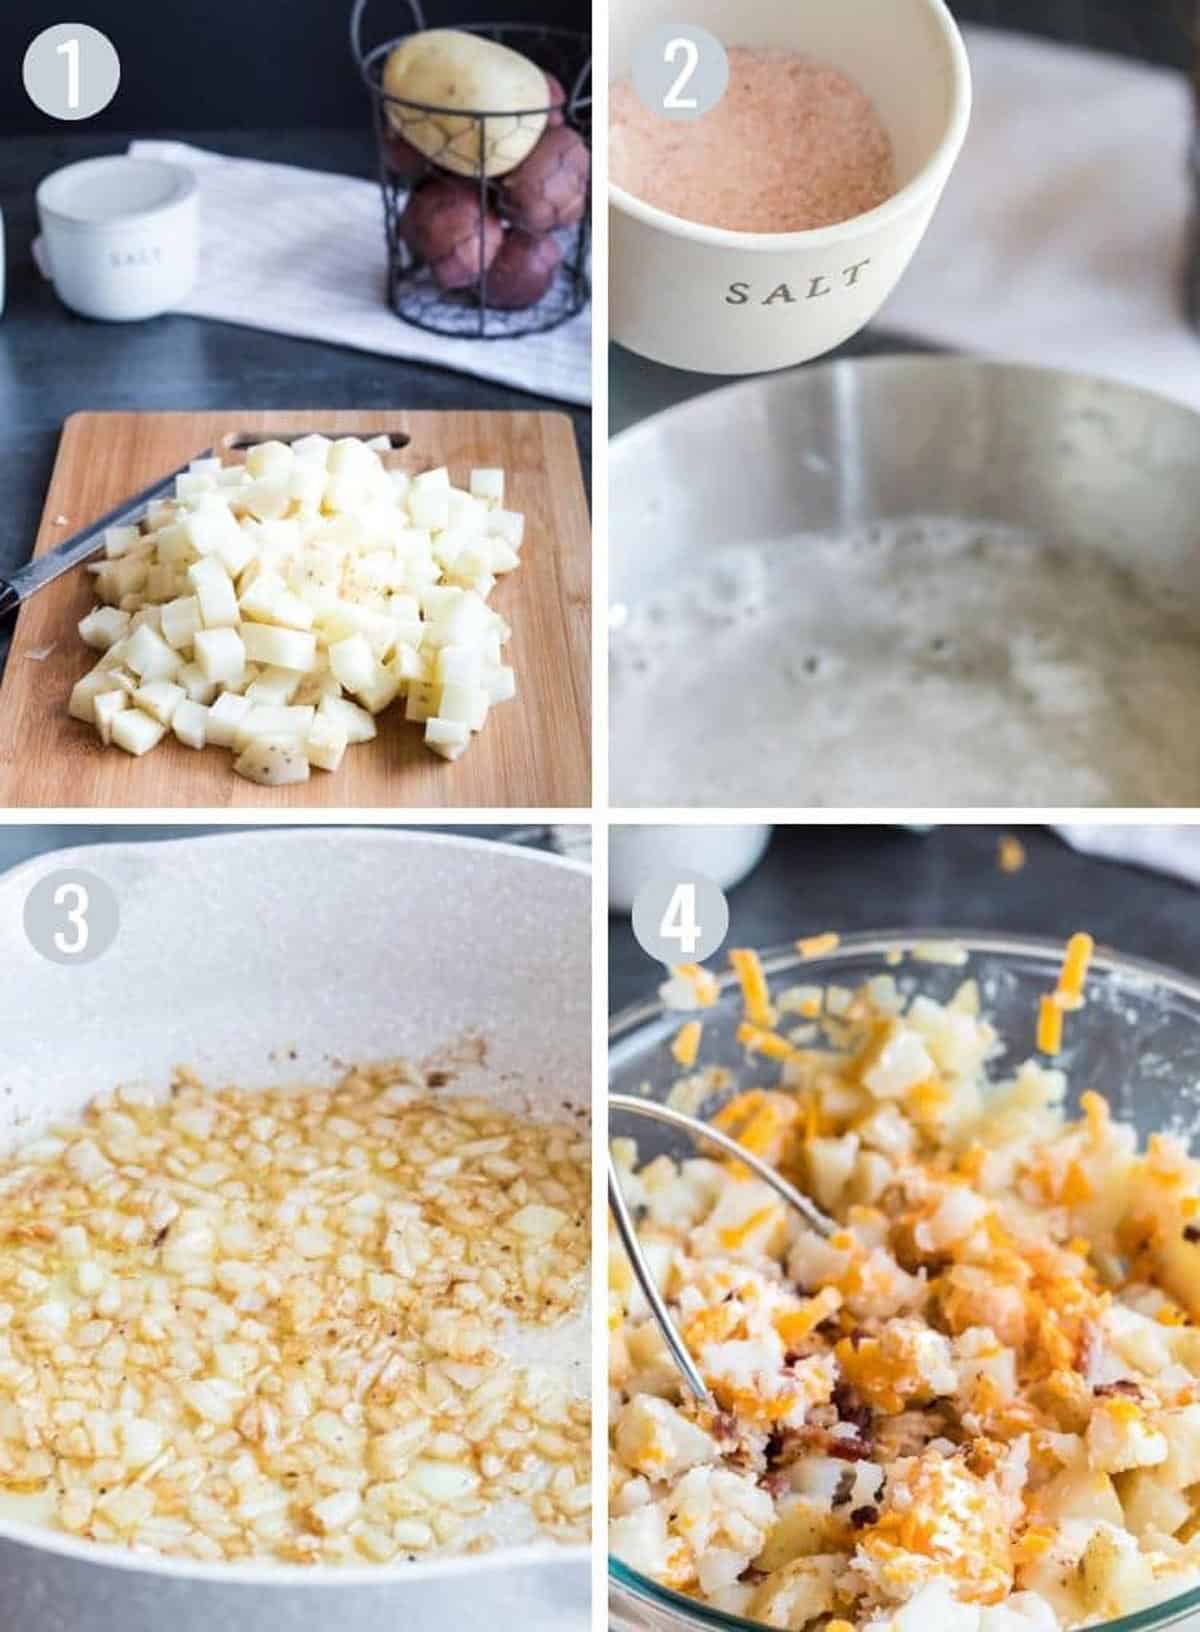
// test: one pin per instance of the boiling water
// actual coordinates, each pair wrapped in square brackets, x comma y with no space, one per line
[923,662]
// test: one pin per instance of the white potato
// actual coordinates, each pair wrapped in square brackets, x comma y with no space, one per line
[244,611]
[136,732]
[272,764]
[452,70]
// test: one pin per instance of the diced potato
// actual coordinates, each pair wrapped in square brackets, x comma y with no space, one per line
[312,450]
[466,704]
[508,525]
[149,656]
[221,656]
[196,684]
[356,722]
[189,723]
[181,622]
[105,708]
[224,717]
[247,610]
[120,540]
[325,742]
[103,627]
[279,648]
[159,699]
[429,507]
[214,592]
[273,723]
[270,459]
[269,600]
[446,737]
[353,663]
[272,764]
[136,732]
[488,485]
[274,686]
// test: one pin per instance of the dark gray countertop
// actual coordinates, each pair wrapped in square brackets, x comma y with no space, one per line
[53,363]
[859,878]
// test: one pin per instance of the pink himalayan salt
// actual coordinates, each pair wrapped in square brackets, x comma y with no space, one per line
[792,145]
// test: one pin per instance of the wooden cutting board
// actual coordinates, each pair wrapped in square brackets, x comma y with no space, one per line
[533,752]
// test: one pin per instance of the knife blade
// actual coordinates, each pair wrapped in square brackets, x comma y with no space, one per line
[44,569]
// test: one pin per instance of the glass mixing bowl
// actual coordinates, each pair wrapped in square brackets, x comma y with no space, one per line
[1137,1041]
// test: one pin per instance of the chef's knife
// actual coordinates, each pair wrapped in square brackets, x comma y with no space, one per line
[81,546]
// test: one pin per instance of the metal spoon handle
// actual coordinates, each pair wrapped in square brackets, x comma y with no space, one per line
[811,1214]
[807,1209]
[641,1270]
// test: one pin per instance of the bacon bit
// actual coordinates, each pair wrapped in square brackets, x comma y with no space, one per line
[1050,1026]
[1010,854]
[864,1516]
[1191,1234]
[847,1450]
[755,994]
[852,1408]
[686,1046]
[1123,1386]
[818,946]
[704,984]
[757,1041]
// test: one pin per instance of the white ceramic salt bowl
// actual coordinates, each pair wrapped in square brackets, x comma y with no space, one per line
[339,945]
[119,236]
[720,302]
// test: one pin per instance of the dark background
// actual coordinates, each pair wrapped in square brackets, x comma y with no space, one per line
[221,65]
[870,878]
[214,65]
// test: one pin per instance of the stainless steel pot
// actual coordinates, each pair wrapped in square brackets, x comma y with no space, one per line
[1079,463]
[337,945]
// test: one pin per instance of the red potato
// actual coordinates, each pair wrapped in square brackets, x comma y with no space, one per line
[403,159]
[549,189]
[522,272]
[558,101]
[442,225]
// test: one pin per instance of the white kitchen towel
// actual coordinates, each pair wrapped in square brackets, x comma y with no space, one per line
[302,252]
[1062,235]
[1174,850]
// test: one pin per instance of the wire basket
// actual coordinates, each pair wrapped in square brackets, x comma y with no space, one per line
[495,250]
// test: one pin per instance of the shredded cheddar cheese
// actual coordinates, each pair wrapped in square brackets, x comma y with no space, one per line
[704,984]
[1050,1026]
[686,1047]
[757,1041]
[749,970]
[1075,967]
[818,946]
